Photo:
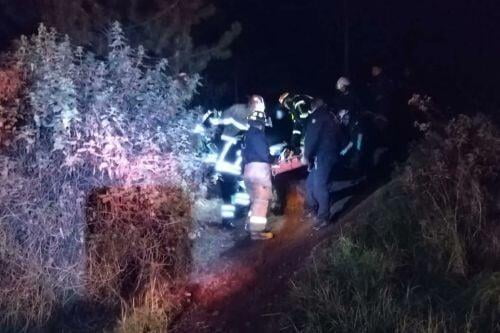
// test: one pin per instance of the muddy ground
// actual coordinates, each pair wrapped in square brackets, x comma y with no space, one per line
[239,285]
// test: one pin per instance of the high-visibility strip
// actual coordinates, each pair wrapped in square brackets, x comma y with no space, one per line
[241,199]
[199,129]
[229,121]
[297,132]
[224,151]
[242,195]
[258,220]
[360,141]
[299,103]
[238,125]
[206,116]
[228,215]
[238,161]
[304,115]
[225,167]
[228,211]
[227,208]
[346,149]
[229,139]
[216,121]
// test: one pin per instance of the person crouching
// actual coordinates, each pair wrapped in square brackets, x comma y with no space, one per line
[257,170]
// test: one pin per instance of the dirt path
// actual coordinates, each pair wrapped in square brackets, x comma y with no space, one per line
[243,289]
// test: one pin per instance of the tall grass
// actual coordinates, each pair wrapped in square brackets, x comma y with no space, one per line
[425,257]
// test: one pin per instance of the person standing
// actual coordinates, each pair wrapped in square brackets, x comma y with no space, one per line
[321,153]
[381,92]
[257,170]
[345,99]
[233,123]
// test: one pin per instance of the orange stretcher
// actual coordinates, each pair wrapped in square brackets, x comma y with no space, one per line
[291,163]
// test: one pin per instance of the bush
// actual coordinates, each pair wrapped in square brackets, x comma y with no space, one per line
[425,257]
[97,180]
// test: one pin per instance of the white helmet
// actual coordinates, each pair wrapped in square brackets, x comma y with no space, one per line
[257,109]
[256,103]
[343,83]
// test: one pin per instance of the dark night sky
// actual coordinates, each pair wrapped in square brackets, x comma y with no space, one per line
[452,46]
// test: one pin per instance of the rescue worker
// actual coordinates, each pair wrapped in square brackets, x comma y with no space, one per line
[345,99]
[321,153]
[299,107]
[356,150]
[228,164]
[381,91]
[257,170]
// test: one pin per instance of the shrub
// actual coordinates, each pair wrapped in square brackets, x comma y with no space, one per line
[100,155]
[424,258]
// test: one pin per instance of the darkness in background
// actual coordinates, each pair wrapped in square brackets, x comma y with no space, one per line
[452,47]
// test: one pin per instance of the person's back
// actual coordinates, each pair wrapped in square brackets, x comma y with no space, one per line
[321,151]
[257,170]
[255,147]
[323,135]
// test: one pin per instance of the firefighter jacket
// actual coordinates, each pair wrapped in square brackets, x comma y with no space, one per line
[255,146]
[323,136]
[299,107]
[235,120]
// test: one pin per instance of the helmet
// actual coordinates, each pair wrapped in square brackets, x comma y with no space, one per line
[256,103]
[343,83]
[283,97]
[257,109]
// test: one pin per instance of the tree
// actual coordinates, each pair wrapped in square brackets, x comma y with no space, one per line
[164,27]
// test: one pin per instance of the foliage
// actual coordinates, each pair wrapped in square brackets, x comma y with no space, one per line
[117,129]
[166,28]
[425,256]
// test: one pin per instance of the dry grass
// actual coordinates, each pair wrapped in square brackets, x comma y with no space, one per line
[425,257]
[126,250]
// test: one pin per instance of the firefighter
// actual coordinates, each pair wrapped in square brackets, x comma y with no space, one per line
[257,170]
[234,122]
[299,107]
[321,153]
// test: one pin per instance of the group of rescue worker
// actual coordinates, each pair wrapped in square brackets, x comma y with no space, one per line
[317,140]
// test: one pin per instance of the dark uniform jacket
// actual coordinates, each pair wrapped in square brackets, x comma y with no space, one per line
[323,136]
[381,90]
[348,101]
[256,147]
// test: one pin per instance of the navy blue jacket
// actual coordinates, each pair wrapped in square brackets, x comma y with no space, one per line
[323,136]
[347,101]
[255,147]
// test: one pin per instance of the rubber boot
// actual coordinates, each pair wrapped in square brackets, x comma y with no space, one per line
[261,235]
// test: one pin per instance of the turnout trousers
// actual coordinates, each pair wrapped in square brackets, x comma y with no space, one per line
[257,177]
